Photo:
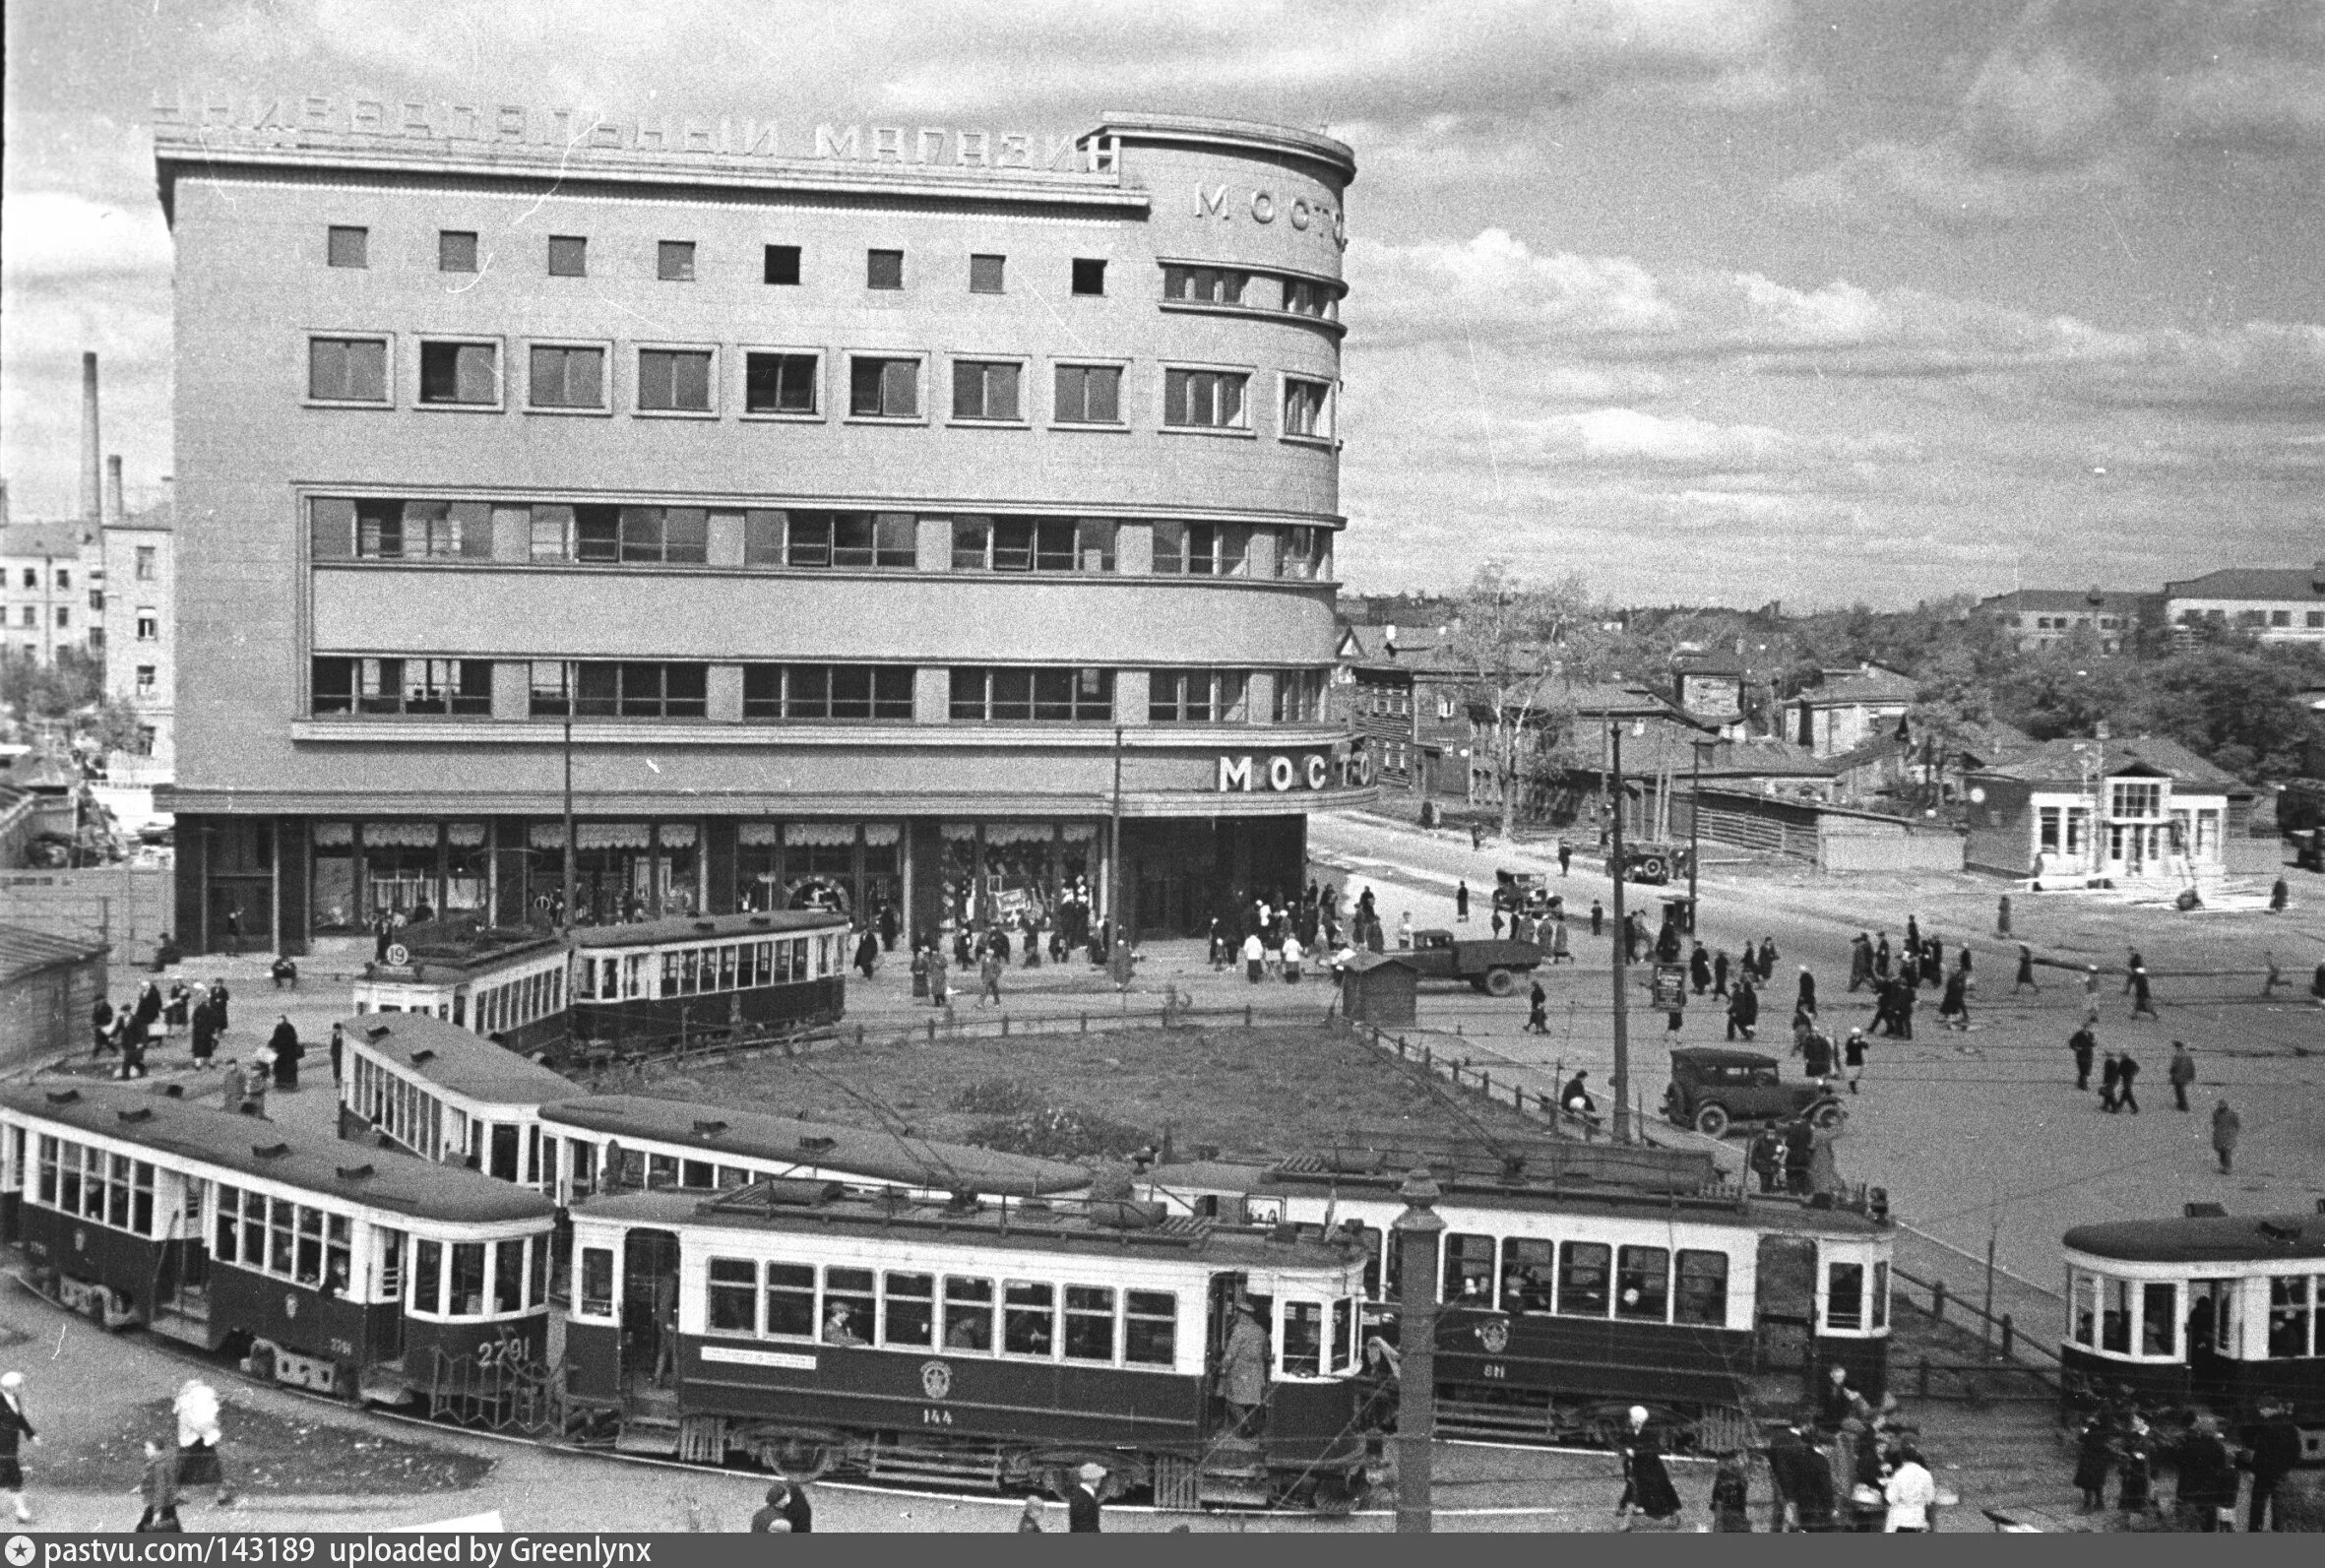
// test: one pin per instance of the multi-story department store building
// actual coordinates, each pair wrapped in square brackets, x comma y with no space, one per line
[881,522]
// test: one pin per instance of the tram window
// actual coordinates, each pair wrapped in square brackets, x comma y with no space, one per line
[700,1175]
[727,968]
[596,1280]
[790,1300]
[390,1246]
[1029,1318]
[467,1280]
[1702,1288]
[117,1193]
[1090,1323]
[141,1199]
[537,1273]
[1845,1296]
[2291,1313]
[670,986]
[732,1176]
[1527,1270]
[282,1222]
[2085,1310]
[848,1306]
[969,1315]
[1642,1283]
[1880,1301]
[1344,1333]
[427,1278]
[1468,1270]
[661,1171]
[1150,1328]
[93,1184]
[508,1277]
[581,1159]
[226,1248]
[1303,1339]
[47,1173]
[1582,1278]
[2158,1316]
[254,1229]
[310,1245]
[2114,1321]
[1370,1237]
[734,1287]
[908,1303]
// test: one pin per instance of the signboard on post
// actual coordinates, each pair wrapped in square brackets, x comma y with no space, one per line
[1671,986]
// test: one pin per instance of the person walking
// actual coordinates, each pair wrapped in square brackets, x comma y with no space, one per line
[1699,969]
[1732,1494]
[1495,926]
[201,1458]
[938,976]
[1460,902]
[1860,961]
[2227,1128]
[1647,1488]
[339,1053]
[2002,915]
[285,1043]
[2091,993]
[2207,1479]
[1598,924]
[1910,1493]
[1720,968]
[1806,1002]
[159,1487]
[2141,1001]
[1743,1011]
[989,974]
[2280,894]
[2024,979]
[179,1008]
[101,1027]
[1852,1057]
[1954,1010]
[1882,958]
[2082,1045]
[15,1427]
[2180,1073]
[2132,967]
[1565,857]
[2126,1071]
[2110,1078]
[1767,959]
[2275,1445]
[1538,1010]
[1082,1515]
[867,953]
[2095,1453]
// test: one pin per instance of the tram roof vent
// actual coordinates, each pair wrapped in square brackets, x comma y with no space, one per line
[64,1096]
[270,1151]
[2203,1210]
[817,1143]
[362,1173]
[174,1090]
[761,921]
[710,1129]
[2283,1236]
[705,925]
[136,1113]
[423,1058]
[375,1032]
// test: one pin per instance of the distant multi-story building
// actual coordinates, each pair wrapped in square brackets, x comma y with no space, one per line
[2035,619]
[140,587]
[55,594]
[1408,698]
[2277,605]
[883,524]
[1848,709]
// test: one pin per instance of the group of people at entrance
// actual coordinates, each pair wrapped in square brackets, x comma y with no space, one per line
[153,1019]
[1849,1466]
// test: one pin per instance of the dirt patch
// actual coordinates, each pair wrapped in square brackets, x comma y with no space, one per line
[1261,1090]
[269,1455]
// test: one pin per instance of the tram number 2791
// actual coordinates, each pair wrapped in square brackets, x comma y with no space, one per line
[930,1417]
[1495,1369]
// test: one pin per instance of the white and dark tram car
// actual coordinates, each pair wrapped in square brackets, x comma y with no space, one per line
[359,1275]
[2211,1310]
[993,1345]
[1581,1281]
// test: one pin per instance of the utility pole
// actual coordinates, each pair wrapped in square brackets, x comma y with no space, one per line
[1115,854]
[566,922]
[1415,1232]
[1695,832]
[1622,949]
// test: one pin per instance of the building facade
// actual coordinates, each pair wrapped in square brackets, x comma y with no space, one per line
[140,585]
[2277,605]
[53,597]
[2035,619]
[2073,811]
[1849,708]
[1408,702]
[894,524]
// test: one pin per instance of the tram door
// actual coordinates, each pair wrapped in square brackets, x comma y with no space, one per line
[650,1306]
[1785,1315]
[1219,1321]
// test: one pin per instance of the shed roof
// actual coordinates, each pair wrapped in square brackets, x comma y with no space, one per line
[65,540]
[25,951]
[2061,762]
[454,1058]
[1871,683]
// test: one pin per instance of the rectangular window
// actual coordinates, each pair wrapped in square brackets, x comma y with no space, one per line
[782,265]
[1196,696]
[2046,818]
[1150,1328]
[2083,1309]
[1299,696]
[907,1307]
[1703,1289]
[566,377]
[2289,1316]
[427,1278]
[1642,1283]
[1468,1270]
[1088,395]
[1344,1333]
[1047,696]
[822,692]
[733,1296]
[281,1235]
[674,380]
[1302,297]
[569,256]
[349,247]
[466,1281]
[1203,399]
[790,1300]
[1090,1323]
[985,274]
[2280,617]
[2114,1322]
[1878,1306]
[848,1306]
[1090,275]
[508,1277]
[2158,1320]
[984,389]
[464,374]
[1582,1278]
[1304,407]
[310,1246]
[145,563]
[781,383]
[1030,544]
[2138,802]
[673,261]
[884,269]
[348,369]
[456,250]
[969,1315]
[852,540]
[884,389]
[1029,1318]
[224,1243]
[1528,1267]
[1209,286]
[149,624]
[596,1281]
[639,691]
[1303,1337]
[1845,1296]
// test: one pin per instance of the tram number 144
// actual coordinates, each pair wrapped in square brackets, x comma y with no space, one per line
[935,1417]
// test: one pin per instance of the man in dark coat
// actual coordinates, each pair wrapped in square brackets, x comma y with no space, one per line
[1460,900]
[2180,1071]
[2126,1070]
[204,1032]
[888,926]
[2276,1452]
[100,1025]
[2207,1478]
[1699,969]
[2083,1043]
[285,1043]
[1082,1509]
[1802,1479]
[1860,961]
[339,1051]
[1881,958]
[1720,968]
[1743,1011]
[2026,972]
[1799,1154]
[2111,1078]
[1597,918]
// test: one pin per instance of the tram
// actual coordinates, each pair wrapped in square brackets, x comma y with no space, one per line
[617,987]
[1578,1280]
[990,1345]
[375,1278]
[2220,1310]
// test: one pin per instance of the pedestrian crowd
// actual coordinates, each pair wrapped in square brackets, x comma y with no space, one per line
[2128,1448]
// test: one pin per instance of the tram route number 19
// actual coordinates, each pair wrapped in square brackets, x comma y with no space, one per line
[930,1417]
[1495,1369]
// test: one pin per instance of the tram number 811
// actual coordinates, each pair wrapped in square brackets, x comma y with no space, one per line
[1495,1370]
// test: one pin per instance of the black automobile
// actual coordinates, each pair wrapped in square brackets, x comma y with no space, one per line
[1714,1088]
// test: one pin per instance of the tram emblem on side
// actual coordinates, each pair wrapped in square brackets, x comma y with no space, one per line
[936,1379]
[1494,1335]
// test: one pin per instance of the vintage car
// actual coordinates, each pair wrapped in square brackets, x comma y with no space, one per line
[1714,1088]
[1492,966]
[1522,893]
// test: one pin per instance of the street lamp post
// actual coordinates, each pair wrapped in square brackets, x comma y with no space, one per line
[1622,953]
[1695,832]
[1417,1233]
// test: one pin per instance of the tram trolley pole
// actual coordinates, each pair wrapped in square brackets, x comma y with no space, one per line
[1417,1231]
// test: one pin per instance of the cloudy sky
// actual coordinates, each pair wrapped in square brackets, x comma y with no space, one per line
[1711,300]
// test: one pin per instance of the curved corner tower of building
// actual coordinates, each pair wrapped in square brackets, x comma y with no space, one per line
[896,516]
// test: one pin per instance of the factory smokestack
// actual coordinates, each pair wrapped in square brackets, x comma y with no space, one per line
[114,511]
[91,464]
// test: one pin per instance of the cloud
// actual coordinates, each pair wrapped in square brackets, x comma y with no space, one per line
[55,235]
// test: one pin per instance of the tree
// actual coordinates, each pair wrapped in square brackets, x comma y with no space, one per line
[1501,626]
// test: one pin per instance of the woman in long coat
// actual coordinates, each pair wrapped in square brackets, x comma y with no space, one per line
[2093,1456]
[283,1042]
[204,1032]
[1647,1487]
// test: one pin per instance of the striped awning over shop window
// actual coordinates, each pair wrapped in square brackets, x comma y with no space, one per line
[405,835]
[819,833]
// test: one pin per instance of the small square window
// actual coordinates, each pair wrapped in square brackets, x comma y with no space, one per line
[455,251]
[675,260]
[1090,275]
[348,246]
[884,269]
[569,256]
[985,274]
[783,264]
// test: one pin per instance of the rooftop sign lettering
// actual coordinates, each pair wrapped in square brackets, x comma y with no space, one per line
[329,120]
